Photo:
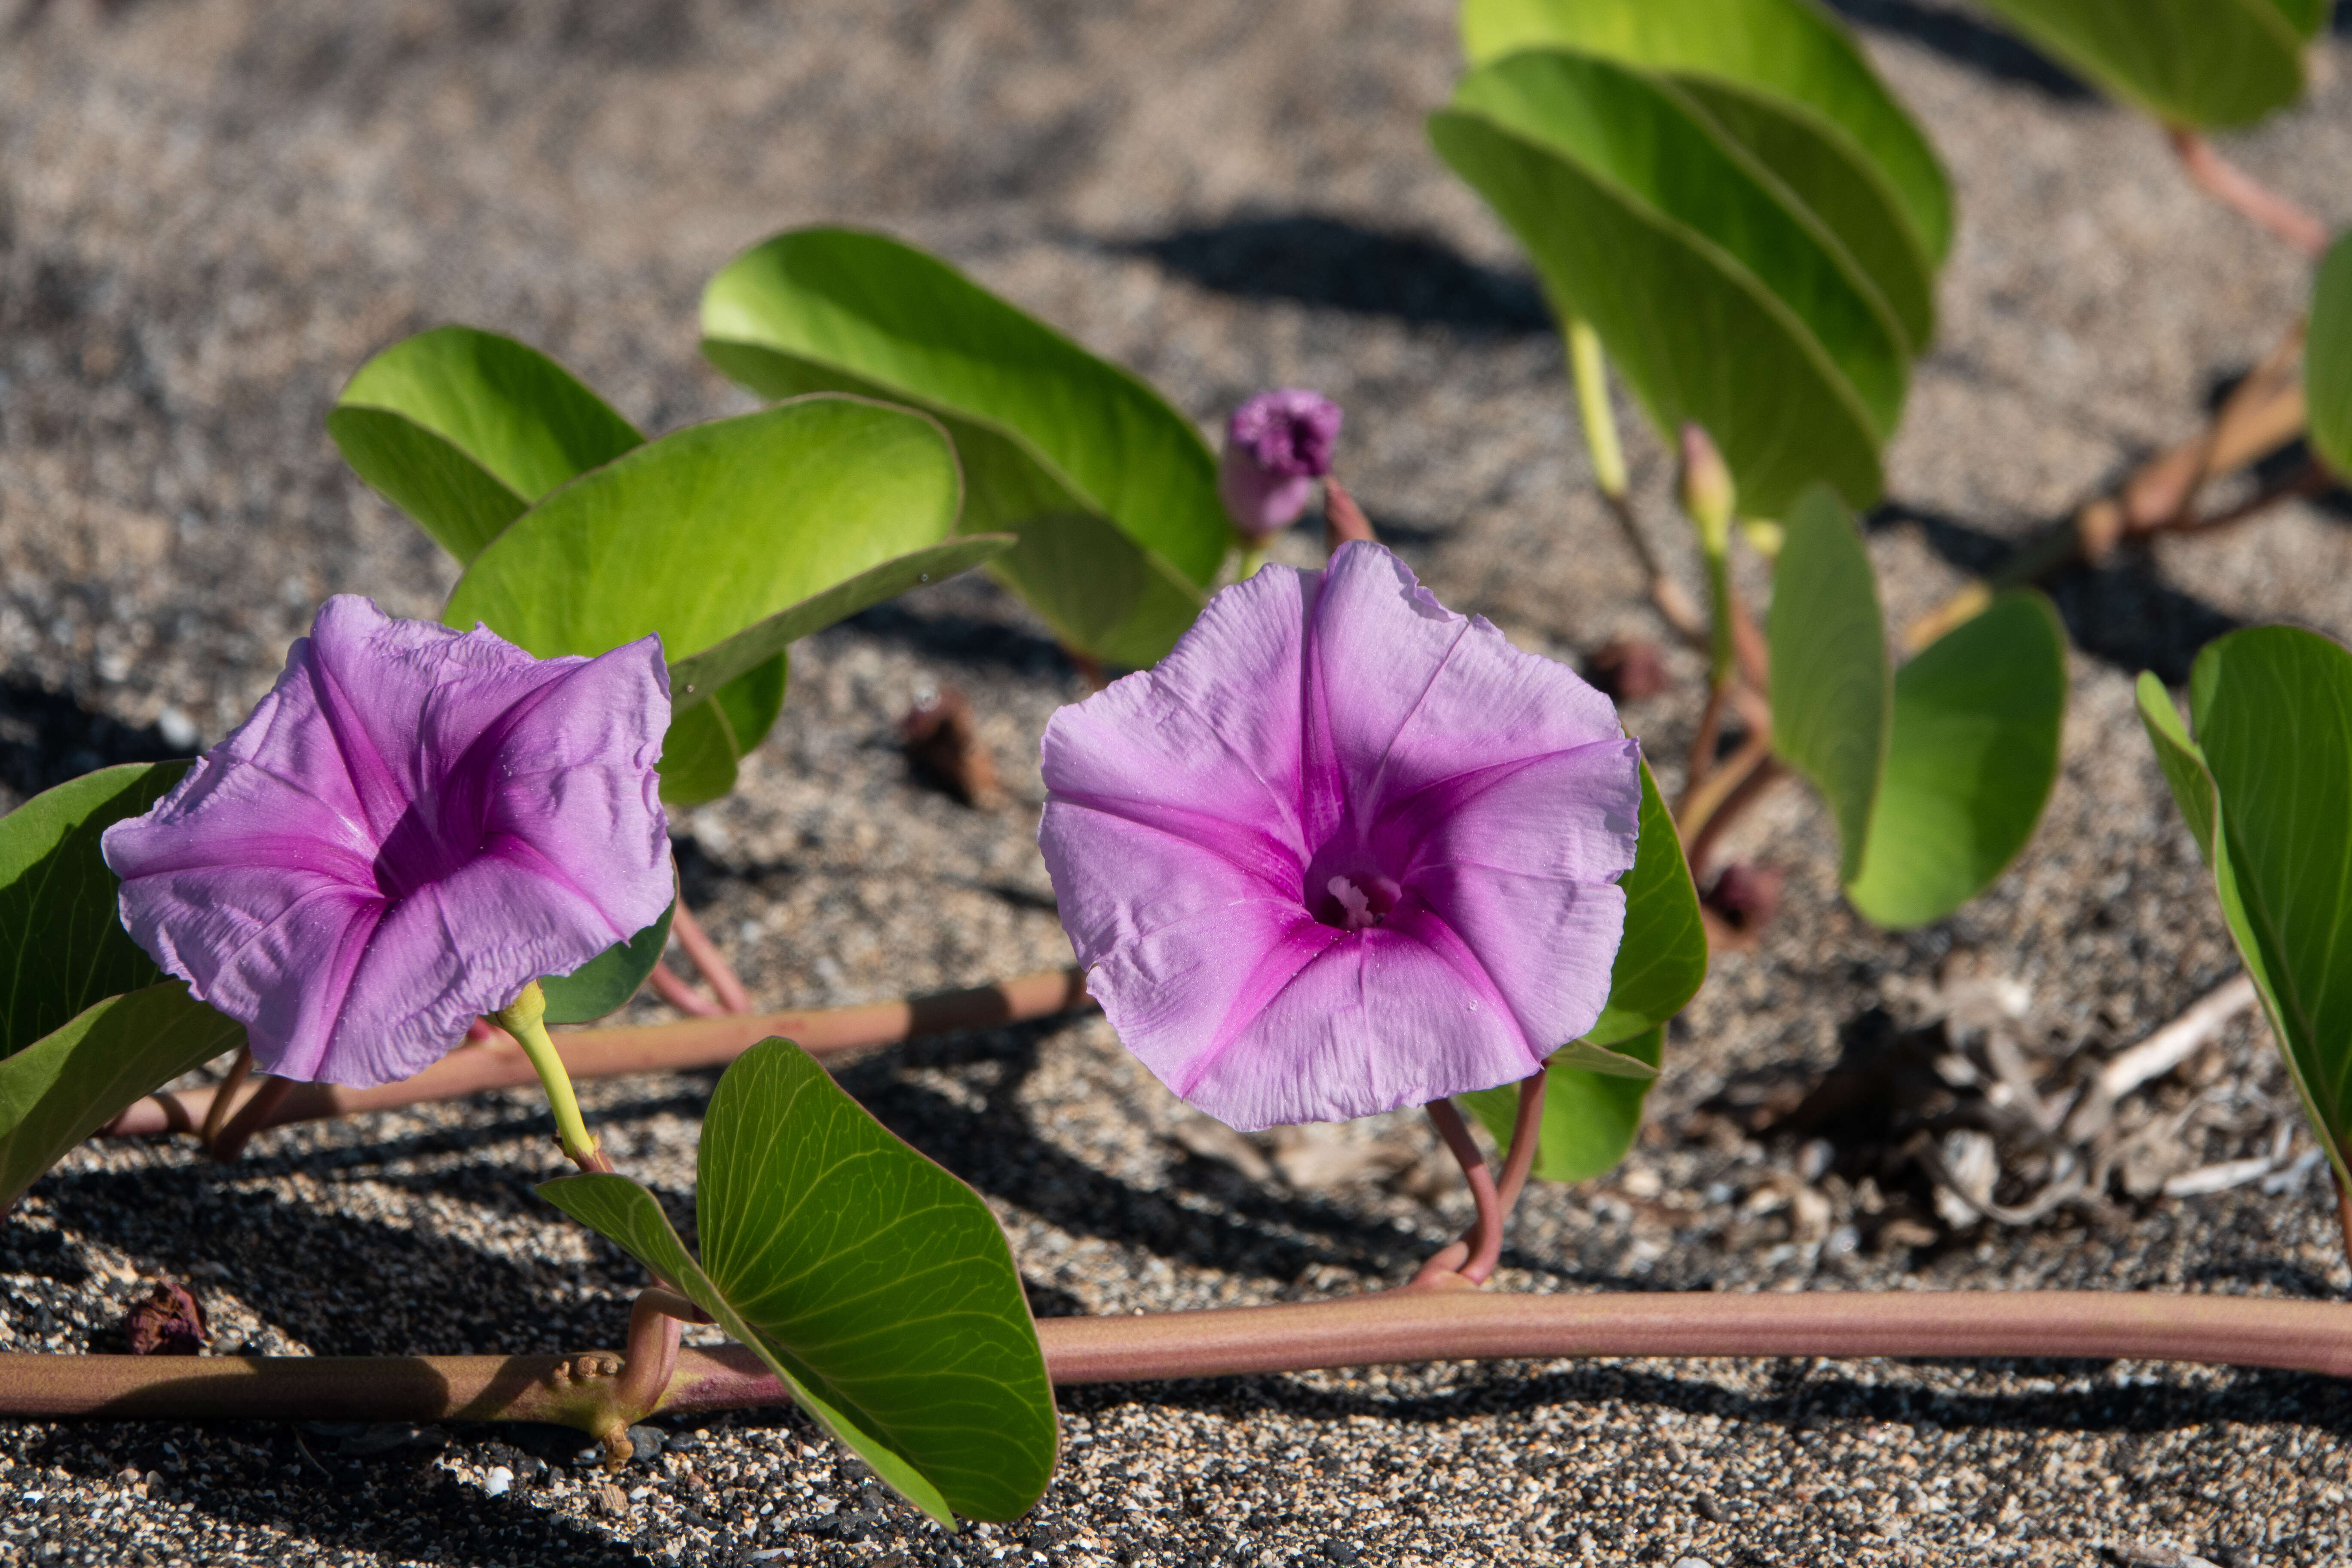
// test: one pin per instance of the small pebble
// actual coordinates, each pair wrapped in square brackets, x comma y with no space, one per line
[497,1482]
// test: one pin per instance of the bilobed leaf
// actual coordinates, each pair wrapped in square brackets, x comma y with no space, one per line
[1831,687]
[2273,710]
[2177,755]
[878,1288]
[1590,1118]
[1850,197]
[707,531]
[1647,140]
[694,679]
[1972,756]
[1112,491]
[2305,17]
[1791,51]
[606,982]
[1594,1087]
[464,429]
[1662,959]
[69,1083]
[2327,360]
[2190,62]
[62,945]
[1695,334]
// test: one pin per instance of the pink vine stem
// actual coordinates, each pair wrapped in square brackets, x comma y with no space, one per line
[685,1046]
[2240,191]
[1387,1327]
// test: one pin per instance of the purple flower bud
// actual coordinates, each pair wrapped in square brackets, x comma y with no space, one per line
[1276,445]
[1343,850]
[411,827]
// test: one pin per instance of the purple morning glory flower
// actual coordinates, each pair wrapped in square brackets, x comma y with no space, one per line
[1343,850]
[414,824]
[1276,445]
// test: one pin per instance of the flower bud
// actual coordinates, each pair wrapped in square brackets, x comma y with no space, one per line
[1706,495]
[1276,445]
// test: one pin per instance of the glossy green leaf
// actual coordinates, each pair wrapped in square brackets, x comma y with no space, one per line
[1598,170]
[878,1288]
[1831,687]
[2267,785]
[693,679]
[1590,1118]
[62,945]
[1972,756]
[606,982]
[2190,62]
[2177,755]
[1656,146]
[69,1083]
[2327,360]
[2305,17]
[1112,491]
[1791,50]
[462,430]
[707,531]
[1662,959]
[1851,198]
[1594,1087]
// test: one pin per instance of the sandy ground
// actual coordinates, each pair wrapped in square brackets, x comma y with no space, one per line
[211,213]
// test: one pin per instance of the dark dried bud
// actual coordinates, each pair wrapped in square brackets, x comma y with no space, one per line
[1743,898]
[944,749]
[168,1322]
[1628,669]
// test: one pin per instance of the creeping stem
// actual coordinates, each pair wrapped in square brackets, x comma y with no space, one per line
[1384,1328]
[526,1020]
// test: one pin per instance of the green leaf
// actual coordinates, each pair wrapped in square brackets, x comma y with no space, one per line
[2272,709]
[1831,688]
[1791,51]
[1594,1087]
[62,945]
[878,1288]
[1656,147]
[1662,959]
[693,679]
[1624,193]
[1851,198]
[1112,491]
[465,429]
[67,1085]
[707,531]
[1972,756]
[2190,62]
[1590,1118]
[2305,17]
[606,982]
[2177,755]
[2327,360]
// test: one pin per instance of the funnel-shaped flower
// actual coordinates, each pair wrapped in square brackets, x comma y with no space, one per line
[1276,445]
[411,826]
[1343,850]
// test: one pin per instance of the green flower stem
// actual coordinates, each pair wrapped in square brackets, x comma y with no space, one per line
[1591,373]
[1253,557]
[525,1018]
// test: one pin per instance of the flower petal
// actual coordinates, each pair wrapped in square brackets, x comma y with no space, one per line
[1209,735]
[1409,693]
[1376,1021]
[450,953]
